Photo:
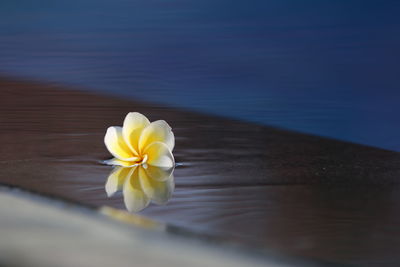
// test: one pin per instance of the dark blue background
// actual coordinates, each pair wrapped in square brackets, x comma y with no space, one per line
[329,68]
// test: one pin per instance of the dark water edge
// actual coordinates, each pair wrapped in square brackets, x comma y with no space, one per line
[326,68]
[296,194]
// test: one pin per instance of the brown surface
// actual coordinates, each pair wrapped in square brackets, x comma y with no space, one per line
[289,192]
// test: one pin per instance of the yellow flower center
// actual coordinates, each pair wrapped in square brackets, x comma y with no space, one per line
[142,159]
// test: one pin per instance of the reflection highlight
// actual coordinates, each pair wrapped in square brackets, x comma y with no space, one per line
[141,185]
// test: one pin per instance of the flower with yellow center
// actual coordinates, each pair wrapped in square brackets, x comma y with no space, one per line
[139,142]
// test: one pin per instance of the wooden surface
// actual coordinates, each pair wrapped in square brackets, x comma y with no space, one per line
[293,194]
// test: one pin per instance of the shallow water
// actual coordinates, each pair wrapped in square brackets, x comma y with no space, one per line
[285,192]
[327,68]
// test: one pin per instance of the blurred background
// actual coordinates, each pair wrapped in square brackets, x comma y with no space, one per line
[328,68]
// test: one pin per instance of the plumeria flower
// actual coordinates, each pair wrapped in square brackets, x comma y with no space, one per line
[140,185]
[139,142]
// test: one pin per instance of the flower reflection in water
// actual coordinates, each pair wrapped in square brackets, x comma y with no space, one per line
[141,184]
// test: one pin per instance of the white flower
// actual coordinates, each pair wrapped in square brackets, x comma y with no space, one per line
[141,184]
[140,142]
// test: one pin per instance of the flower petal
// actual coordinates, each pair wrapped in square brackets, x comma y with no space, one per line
[134,124]
[159,173]
[118,162]
[158,191]
[159,155]
[116,144]
[157,131]
[116,179]
[134,197]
